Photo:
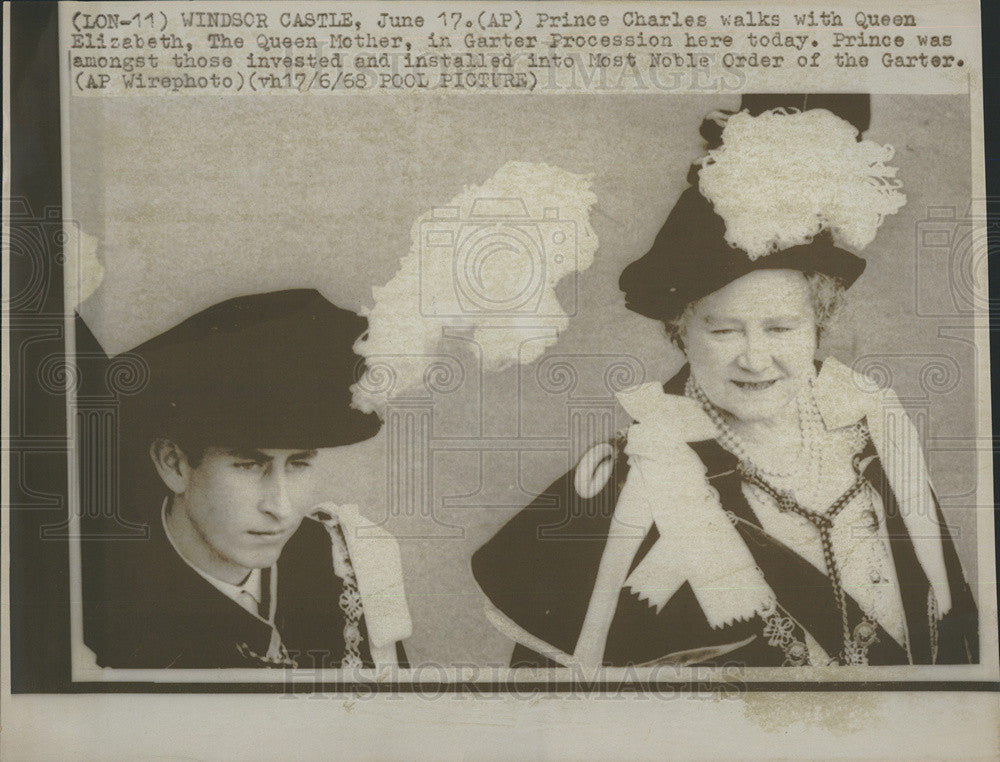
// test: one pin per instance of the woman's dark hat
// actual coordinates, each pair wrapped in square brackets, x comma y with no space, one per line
[690,257]
[268,371]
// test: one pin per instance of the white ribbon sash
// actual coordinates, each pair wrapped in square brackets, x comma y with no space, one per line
[667,485]
[378,569]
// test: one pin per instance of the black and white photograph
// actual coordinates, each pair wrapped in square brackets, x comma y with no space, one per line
[557,351]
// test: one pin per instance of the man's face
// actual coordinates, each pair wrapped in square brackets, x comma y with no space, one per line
[752,343]
[240,507]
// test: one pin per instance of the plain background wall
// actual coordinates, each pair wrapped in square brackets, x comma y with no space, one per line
[194,199]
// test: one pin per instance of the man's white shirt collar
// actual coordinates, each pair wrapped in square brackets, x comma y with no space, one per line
[249,587]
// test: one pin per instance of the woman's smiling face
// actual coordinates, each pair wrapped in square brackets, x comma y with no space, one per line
[752,343]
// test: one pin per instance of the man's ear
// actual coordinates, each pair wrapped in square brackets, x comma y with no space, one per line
[171,464]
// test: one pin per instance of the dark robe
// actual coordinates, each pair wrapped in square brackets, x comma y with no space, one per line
[540,569]
[145,607]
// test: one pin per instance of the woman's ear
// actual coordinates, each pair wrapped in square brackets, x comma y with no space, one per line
[171,464]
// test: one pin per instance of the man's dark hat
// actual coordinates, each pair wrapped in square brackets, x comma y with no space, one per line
[269,371]
[690,257]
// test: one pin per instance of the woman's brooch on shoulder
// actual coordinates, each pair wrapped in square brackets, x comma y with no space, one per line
[595,468]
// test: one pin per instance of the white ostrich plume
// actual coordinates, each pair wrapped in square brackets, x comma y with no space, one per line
[781,177]
[486,265]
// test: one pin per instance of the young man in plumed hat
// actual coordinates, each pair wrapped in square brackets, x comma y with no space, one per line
[242,566]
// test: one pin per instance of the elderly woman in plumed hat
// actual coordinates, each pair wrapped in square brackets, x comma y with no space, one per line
[764,509]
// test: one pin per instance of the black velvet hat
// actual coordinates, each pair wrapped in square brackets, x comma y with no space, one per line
[270,371]
[690,257]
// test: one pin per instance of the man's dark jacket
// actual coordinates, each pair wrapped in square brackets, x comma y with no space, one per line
[144,607]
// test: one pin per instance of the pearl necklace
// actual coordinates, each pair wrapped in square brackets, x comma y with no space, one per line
[813,472]
[819,452]
[728,438]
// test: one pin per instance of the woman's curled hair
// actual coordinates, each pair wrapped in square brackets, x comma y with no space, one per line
[825,292]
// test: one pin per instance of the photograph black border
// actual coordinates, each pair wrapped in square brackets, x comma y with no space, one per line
[40,651]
